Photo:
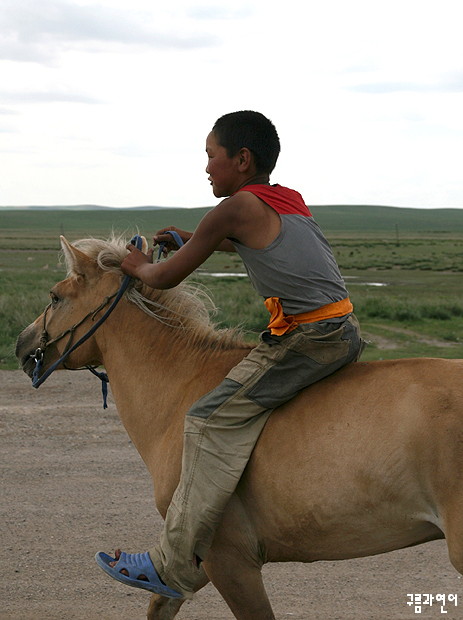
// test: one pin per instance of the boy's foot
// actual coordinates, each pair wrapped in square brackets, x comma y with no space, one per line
[136,570]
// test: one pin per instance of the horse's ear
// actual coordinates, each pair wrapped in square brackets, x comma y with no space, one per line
[144,246]
[76,261]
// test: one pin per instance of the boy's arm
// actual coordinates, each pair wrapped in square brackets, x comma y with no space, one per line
[226,246]
[162,236]
[211,234]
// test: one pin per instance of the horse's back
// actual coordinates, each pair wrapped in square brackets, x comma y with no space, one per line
[359,463]
[364,403]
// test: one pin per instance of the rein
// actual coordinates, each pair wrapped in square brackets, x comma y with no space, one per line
[38,356]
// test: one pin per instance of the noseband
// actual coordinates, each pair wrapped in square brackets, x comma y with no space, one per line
[44,342]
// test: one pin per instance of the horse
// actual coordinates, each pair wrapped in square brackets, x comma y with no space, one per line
[365,461]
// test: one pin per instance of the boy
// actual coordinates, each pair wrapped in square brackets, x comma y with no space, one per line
[311,333]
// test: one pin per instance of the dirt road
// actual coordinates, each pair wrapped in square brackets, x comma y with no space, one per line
[73,484]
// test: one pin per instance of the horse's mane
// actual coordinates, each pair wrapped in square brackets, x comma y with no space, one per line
[186,307]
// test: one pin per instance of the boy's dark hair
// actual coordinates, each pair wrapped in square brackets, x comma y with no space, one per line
[250,130]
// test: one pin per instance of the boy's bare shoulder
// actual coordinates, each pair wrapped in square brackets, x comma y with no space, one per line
[249,218]
[232,214]
[242,204]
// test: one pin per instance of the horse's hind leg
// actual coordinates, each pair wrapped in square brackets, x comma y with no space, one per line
[453,530]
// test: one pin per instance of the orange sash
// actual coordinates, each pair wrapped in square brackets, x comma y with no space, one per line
[281,323]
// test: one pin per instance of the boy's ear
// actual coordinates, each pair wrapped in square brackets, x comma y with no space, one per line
[246,159]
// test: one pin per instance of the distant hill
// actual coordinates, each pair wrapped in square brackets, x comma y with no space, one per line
[355,219]
[75,207]
[334,219]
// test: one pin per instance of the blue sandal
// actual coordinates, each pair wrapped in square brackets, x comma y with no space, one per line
[137,565]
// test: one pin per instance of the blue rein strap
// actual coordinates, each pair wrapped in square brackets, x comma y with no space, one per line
[102,375]
[176,237]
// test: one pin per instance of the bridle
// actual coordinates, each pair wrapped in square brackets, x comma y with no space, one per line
[45,342]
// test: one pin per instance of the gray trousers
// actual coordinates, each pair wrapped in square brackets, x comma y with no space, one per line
[221,430]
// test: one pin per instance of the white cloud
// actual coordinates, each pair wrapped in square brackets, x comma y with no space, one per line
[444,84]
[220,12]
[116,99]
[49,96]
[37,31]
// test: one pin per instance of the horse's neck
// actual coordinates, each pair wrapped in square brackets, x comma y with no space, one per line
[155,375]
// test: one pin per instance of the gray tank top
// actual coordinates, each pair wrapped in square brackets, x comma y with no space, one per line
[298,266]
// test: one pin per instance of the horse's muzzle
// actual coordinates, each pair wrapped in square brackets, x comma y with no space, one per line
[27,349]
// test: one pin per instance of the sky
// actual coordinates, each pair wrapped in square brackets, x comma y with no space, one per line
[109,102]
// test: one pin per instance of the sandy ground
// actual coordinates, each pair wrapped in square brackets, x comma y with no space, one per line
[73,484]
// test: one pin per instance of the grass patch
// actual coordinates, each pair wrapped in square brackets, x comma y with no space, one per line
[417,312]
[413,254]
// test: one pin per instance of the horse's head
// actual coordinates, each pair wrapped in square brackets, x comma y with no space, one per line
[75,303]
[79,303]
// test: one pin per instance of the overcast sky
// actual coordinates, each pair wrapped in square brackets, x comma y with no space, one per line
[110,101]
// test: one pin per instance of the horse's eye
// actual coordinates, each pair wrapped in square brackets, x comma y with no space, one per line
[54,298]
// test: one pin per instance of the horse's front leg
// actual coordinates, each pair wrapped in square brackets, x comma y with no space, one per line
[239,581]
[162,608]
[234,566]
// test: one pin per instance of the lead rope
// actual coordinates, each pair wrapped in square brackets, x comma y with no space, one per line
[104,383]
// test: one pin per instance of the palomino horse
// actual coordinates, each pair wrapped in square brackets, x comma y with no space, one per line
[366,461]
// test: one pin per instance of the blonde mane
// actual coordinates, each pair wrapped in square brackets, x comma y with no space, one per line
[185,308]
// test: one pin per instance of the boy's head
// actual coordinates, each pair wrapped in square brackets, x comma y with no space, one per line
[251,130]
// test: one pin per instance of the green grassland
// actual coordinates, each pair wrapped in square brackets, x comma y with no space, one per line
[403,268]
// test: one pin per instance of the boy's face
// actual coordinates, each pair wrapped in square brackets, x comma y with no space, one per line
[223,171]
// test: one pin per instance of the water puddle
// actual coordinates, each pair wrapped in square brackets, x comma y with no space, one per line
[230,274]
[219,274]
[365,283]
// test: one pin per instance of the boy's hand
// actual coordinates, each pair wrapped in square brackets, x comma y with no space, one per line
[163,237]
[135,261]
